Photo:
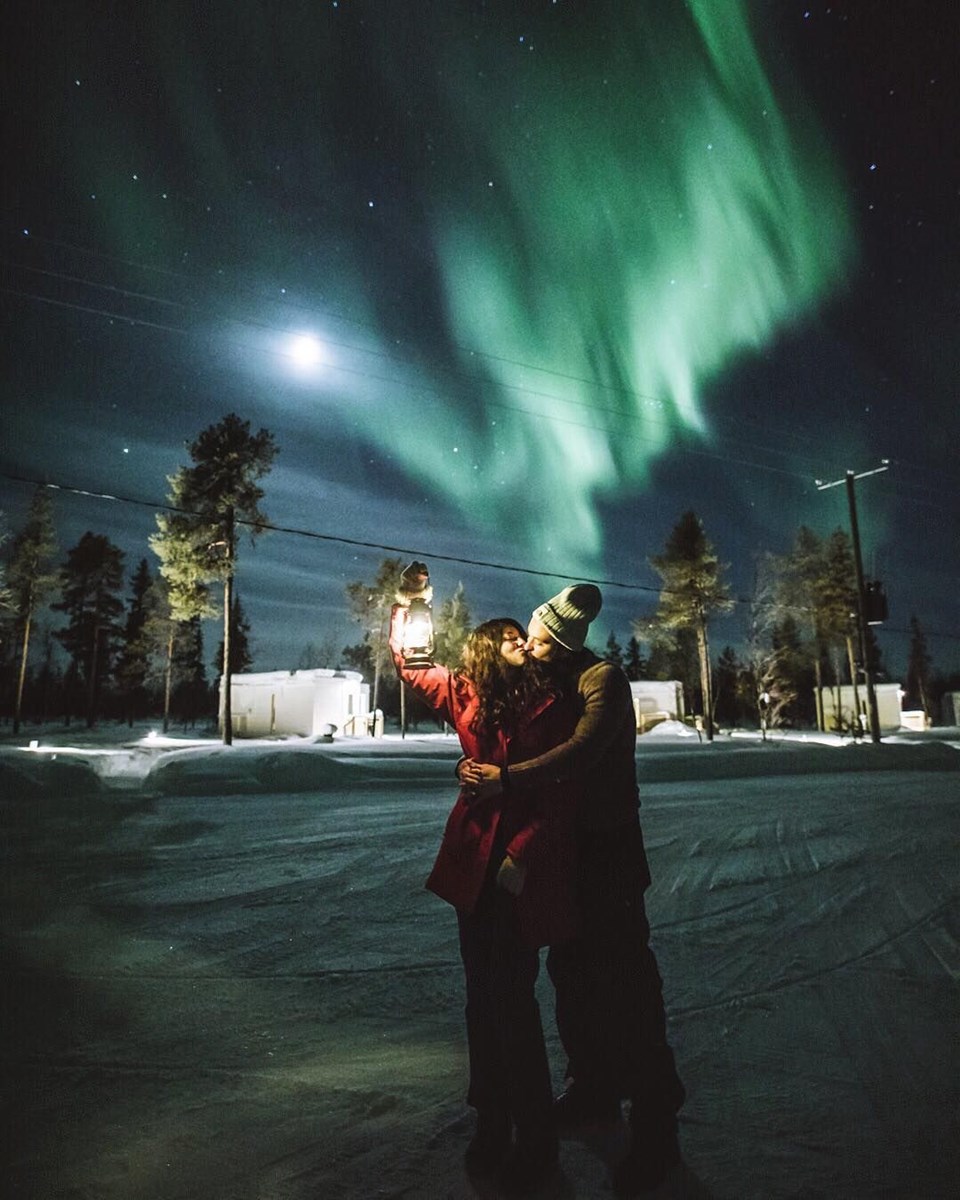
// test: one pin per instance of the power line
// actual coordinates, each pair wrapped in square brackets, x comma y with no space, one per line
[314,309]
[127,319]
[414,552]
[620,412]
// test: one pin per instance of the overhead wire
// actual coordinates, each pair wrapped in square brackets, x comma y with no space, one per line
[412,552]
[324,537]
[420,387]
[621,413]
[915,499]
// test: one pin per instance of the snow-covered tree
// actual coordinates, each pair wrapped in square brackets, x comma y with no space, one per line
[370,605]
[210,499]
[451,625]
[692,593]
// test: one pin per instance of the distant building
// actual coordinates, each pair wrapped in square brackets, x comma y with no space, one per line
[306,703]
[656,700]
[888,695]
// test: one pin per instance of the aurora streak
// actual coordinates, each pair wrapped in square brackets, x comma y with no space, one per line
[650,214]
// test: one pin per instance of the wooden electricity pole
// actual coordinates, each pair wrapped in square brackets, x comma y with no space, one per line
[850,479]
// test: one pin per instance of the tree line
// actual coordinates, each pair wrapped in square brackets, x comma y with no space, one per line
[802,637]
[143,655]
[134,646]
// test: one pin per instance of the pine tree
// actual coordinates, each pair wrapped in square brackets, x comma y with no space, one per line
[691,594]
[133,666]
[370,605]
[794,674]
[768,685]
[797,600]
[918,669]
[241,657]
[817,588]
[672,654]
[91,581]
[727,678]
[180,596]
[451,626]
[211,498]
[31,577]
[49,679]
[315,655]
[613,652]
[634,664]
[191,696]
[837,598]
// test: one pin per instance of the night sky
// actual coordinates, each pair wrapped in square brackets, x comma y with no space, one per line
[572,267]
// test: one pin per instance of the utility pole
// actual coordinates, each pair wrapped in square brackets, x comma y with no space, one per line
[850,479]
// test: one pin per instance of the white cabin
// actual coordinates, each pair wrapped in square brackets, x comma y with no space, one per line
[310,703]
[656,700]
[889,696]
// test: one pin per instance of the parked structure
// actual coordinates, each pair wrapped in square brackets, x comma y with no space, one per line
[313,703]
[656,700]
[889,696]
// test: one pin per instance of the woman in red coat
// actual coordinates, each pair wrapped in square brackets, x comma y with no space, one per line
[507,868]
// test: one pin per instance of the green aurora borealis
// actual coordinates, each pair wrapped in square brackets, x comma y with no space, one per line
[650,214]
[577,266]
[571,230]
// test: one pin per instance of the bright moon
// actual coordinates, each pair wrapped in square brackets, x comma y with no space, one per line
[305,351]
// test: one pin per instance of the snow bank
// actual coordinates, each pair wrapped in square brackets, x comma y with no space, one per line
[670,728]
[224,770]
[27,776]
[205,767]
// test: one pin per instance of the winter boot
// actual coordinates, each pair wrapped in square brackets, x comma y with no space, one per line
[533,1164]
[653,1153]
[490,1144]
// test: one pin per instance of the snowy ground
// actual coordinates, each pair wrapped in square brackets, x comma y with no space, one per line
[222,978]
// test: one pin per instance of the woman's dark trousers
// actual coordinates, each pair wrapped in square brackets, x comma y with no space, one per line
[509,1071]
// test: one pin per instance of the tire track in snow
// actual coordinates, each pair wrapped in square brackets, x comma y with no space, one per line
[780,985]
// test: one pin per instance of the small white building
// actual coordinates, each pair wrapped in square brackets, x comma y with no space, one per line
[656,700]
[306,703]
[888,695]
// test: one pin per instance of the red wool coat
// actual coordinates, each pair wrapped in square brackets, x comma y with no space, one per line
[536,827]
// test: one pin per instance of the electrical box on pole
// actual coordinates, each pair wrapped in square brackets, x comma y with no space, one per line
[875,602]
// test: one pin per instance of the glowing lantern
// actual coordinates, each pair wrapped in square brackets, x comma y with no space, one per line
[417,635]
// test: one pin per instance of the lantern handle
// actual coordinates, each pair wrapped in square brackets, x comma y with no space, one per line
[414,584]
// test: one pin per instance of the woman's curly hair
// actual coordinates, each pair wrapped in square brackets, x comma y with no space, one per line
[504,692]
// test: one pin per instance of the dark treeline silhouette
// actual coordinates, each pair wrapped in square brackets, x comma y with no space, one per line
[83,639]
